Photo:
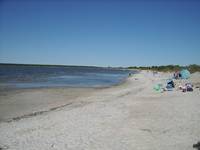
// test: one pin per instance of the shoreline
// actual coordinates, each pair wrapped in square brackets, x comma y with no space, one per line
[21,103]
[66,99]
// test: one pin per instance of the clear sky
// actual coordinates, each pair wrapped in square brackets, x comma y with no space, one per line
[102,33]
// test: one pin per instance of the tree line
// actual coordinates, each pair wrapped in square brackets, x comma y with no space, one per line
[168,68]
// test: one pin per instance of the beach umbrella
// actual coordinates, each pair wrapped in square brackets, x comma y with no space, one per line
[185,74]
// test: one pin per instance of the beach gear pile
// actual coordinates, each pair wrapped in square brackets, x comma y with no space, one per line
[188,87]
[179,77]
[183,74]
[185,87]
[168,87]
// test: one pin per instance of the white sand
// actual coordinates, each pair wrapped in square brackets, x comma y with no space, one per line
[127,117]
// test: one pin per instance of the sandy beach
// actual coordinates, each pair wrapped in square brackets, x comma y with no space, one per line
[19,103]
[130,116]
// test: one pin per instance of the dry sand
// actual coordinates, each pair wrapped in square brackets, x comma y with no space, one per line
[127,117]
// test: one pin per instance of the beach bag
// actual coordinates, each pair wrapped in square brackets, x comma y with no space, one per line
[158,88]
[170,83]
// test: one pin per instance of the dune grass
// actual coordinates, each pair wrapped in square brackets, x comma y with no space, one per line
[169,68]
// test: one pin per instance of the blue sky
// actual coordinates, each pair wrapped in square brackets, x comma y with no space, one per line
[101,33]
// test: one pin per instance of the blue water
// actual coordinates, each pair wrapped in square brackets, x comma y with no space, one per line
[59,76]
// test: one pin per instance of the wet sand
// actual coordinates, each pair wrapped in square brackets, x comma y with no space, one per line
[18,103]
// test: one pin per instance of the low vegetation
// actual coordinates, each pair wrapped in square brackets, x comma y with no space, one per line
[169,68]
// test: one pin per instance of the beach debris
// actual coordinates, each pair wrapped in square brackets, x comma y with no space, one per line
[147,130]
[197,145]
[197,85]
[52,145]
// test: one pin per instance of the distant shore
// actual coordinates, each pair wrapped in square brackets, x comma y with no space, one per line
[57,65]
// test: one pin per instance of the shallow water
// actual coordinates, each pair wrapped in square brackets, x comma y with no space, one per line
[23,76]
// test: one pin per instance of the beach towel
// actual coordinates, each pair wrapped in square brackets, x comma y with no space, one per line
[158,88]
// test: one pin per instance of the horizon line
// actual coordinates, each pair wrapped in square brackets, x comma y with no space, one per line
[64,65]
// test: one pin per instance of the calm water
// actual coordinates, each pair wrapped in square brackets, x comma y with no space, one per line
[59,76]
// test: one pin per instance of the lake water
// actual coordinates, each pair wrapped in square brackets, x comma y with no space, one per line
[26,76]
